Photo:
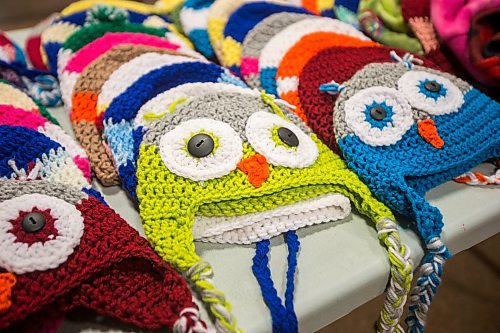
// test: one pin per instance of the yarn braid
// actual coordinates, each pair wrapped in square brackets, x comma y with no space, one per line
[401,277]
[201,274]
[429,279]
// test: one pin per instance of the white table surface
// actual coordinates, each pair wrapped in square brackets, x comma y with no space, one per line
[340,266]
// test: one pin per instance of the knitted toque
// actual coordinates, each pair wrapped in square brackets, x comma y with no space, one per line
[251,187]
[383,21]
[10,52]
[194,17]
[426,129]
[274,51]
[100,262]
[453,21]
[72,62]
[28,154]
[119,117]
[10,115]
[334,64]
[241,22]
[319,7]
[86,116]
[256,40]
[288,75]
[71,21]
[33,43]
[10,95]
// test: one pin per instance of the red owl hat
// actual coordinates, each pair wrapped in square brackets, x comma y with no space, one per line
[62,248]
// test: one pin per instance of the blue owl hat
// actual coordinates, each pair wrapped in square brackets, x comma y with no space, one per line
[405,129]
[119,117]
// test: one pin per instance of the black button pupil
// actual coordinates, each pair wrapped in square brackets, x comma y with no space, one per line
[33,222]
[432,86]
[378,113]
[288,137]
[201,145]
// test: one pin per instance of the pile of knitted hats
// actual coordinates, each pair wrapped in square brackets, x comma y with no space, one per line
[306,116]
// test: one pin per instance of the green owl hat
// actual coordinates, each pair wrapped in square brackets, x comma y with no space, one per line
[230,167]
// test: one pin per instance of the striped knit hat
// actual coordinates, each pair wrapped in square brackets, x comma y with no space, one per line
[256,40]
[94,81]
[274,51]
[194,18]
[82,13]
[405,129]
[241,21]
[72,237]
[227,175]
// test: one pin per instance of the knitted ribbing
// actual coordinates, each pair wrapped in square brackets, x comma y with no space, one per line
[170,231]
[257,38]
[412,165]
[10,115]
[108,268]
[288,74]
[241,22]
[83,57]
[28,154]
[85,118]
[194,17]
[119,117]
[317,105]
[276,48]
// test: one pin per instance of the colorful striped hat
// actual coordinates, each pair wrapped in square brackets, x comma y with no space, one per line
[288,74]
[257,39]
[87,115]
[241,22]
[274,51]
[405,129]
[194,19]
[99,262]
[244,183]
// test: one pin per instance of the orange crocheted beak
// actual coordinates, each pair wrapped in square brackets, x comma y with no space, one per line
[7,281]
[256,168]
[428,131]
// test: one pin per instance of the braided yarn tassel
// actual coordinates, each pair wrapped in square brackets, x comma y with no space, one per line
[429,279]
[190,322]
[201,274]
[400,277]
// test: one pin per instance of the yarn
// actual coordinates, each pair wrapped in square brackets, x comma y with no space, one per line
[104,257]
[257,38]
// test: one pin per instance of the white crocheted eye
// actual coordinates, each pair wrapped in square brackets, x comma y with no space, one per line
[201,149]
[37,232]
[280,141]
[379,116]
[431,93]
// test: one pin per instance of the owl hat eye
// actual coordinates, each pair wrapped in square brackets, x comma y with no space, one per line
[50,230]
[445,121]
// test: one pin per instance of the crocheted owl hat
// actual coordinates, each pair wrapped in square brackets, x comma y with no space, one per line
[71,20]
[241,22]
[453,21]
[28,154]
[119,117]
[257,38]
[10,95]
[62,230]
[193,17]
[383,21]
[86,116]
[73,60]
[288,74]
[274,51]
[405,129]
[246,176]
[13,116]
